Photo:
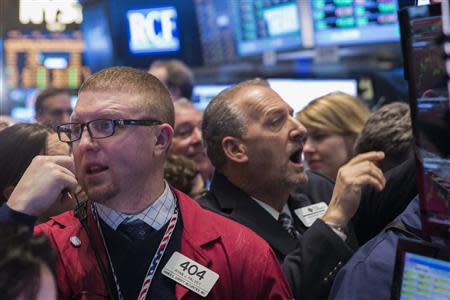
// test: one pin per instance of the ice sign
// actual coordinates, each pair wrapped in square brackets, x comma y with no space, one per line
[153,30]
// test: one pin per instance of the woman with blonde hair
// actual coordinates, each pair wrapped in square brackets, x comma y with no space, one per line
[334,122]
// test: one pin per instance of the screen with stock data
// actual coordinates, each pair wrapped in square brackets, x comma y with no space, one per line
[263,25]
[427,80]
[351,22]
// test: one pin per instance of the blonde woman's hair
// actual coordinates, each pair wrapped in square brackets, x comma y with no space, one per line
[337,113]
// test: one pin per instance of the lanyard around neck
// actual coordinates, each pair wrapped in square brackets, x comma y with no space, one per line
[155,260]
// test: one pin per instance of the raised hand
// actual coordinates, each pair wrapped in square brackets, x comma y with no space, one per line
[42,183]
[351,177]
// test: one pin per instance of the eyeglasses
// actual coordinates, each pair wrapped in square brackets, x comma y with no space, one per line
[98,129]
[58,112]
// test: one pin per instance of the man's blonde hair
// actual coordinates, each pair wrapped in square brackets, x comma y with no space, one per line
[156,101]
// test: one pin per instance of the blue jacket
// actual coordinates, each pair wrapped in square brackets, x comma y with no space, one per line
[368,274]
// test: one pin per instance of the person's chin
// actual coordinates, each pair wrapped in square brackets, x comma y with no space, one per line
[101,193]
[296,178]
[300,178]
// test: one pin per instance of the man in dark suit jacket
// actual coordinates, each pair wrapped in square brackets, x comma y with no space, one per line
[255,145]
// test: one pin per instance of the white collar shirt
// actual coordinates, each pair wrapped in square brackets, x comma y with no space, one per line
[156,215]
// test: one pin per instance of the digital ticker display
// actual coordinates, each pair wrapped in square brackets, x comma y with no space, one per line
[264,25]
[350,22]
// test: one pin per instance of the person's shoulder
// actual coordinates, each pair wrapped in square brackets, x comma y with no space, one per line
[66,221]
[229,230]
[381,249]
[228,227]
[209,201]
[369,271]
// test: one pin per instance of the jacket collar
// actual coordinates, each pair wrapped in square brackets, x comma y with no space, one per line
[240,207]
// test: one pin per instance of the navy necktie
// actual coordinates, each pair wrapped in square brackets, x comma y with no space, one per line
[287,223]
[135,230]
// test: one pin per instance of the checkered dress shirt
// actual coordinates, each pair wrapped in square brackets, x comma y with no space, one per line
[156,215]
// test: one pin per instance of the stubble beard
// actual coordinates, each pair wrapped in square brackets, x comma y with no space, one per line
[294,180]
[102,194]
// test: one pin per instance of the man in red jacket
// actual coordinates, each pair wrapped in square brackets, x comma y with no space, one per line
[136,237]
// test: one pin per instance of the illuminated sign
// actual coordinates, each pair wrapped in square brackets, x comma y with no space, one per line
[36,60]
[153,30]
[56,14]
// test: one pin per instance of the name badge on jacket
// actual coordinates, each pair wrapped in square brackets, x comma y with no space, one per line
[190,274]
[309,214]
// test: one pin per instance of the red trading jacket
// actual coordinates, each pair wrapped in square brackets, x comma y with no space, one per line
[247,267]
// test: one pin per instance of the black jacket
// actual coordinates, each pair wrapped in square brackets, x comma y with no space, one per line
[313,261]
[320,250]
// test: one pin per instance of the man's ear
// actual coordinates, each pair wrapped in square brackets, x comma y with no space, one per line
[234,149]
[163,137]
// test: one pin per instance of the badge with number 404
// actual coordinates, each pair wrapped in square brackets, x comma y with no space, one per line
[190,274]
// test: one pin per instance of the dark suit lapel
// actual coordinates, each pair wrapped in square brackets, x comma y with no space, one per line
[238,206]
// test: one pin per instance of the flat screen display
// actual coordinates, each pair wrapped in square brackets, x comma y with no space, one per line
[429,101]
[421,272]
[153,30]
[354,22]
[425,278]
[266,25]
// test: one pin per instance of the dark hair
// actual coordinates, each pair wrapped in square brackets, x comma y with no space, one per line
[21,258]
[180,172]
[19,144]
[223,118]
[47,93]
[178,76]
[388,130]
[156,101]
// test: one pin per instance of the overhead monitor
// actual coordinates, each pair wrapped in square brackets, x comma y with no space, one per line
[299,92]
[430,110]
[135,33]
[153,30]
[354,22]
[266,25]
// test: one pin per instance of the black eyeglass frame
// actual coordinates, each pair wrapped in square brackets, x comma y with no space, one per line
[116,122]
